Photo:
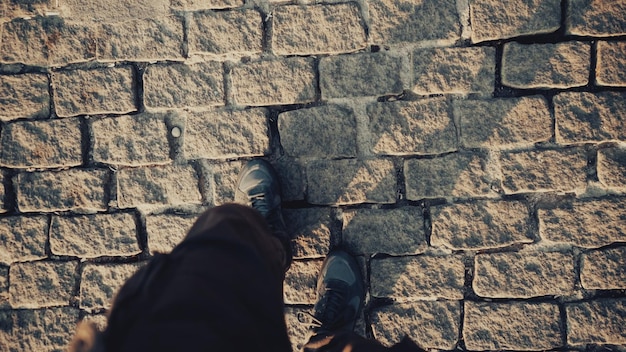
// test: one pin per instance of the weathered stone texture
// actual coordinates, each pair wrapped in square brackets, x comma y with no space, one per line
[394,231]
[323,132]
[524,275]
[611,65]
[291,175]
[588,224]
[24,96]
[365,74]
[416,127]
[423,277]
[596,18]
[604,269]
[317,29]
[481,225]
[3,197]
[96,91]
[43,144]
[92,236]
[205,4]
[503,123]
[184,85]
[100,282]
[300,282]
[612,167]
[351,181]
[596,322]
[298,332]
[238,32]
[225,176]
[23,238]
[511,326]
[166,231]
[546,170]
[274,82]
[561,65]
[583,116]
[74,189]
[37,330]
[113,10]
[41,284]
[24,9]
[310,231]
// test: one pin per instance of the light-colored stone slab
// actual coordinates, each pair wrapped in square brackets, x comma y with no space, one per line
[310,231]
[596,18]
[48,329]
[41,284]
[226,32]
[113,10]
[612,167]
[100,282]
[166,231]
[596,322]
[611,64]
[24,96]
[604,269]
[300,282]
[23,238]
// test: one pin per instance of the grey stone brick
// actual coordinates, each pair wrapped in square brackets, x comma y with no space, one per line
[300,282]
[292,179]
[23,238]
[100,282]
[224,176]
[24,95]
[597,19]
[38,330]
[2,194]
[612,167]
[4,291]
[237,31]
[205,4]
[604,269]
[596,322]
[611,64]
[309,229]
[41,284]
[22,9]
[167,230]
[114,10]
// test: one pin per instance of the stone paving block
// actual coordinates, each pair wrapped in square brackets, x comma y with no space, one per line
[41,284]
[4,292]
[545,170]
[351,181]
[205,4]
[596,322]
[432,325]
[3,197]
[292,179]
[524,275]
[422,277]
[226,32]
[309,229]
[225,176]
[396,22]
[391,231]
[184,85]
[167,230]
[586,223]
[416,127]
[560,65]
[113,10]
[604,269]
[74,189]
[612,167]
[149,39]
[582,116]
[95,91]
[518,326]
[301,280]
[92,236]
[298,332]
[480,225]
[100,282]
[454,70]
[322,132]
[596,18]
[274,82]
[25,9]
[503,123]
[23,238]
[493,19]
[226,134]
[317,29]
[38,330]
[41,144]
[453,175]
[611,65]
[365,74]
[24,96]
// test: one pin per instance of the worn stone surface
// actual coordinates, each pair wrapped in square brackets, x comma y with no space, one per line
[42,144]
[604,269]
[429,324]
[611,64]
[589,224]
[511,326]
[351,181]
[298,332]
[225,176]
[300,282]
[3,197]
[41,284]
[23,238]
[560,65]
[100,282]
[596,18]
[15,9]
[503,123]
[317,29]
[545,170]
[113,10]
[205,4]
[4,292]
[416,127]
[612,167]
[237,32]
[310,231]
[597,322]
[480,225]
[395,231]
[422,277]
[37,330]
[167,230]
[95,91]
[292,179]
[327,131]
[24,96]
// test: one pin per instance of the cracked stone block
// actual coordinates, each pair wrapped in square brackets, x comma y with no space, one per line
[503,123]
[317,29]
[611,64]
[100,282]
[588,224]
[310,231]
[612,167]
[596,18]
[74,189]
[351,181]
[583,116]
[480,225]
[546,170]
[301,281]
[365,74]
[322,132]
[416,127]
[24,96]
[560,65]
[205,4]
[390,231]
[430,324]
[596,322]
[524,275]
[42,144]
[41,284]
[23,238]
[166,231]
[453,175]
[113,10]
[48,329]
[97,91]
[182,85]
[604,269]
[274,82]
[92,236]
[226,32]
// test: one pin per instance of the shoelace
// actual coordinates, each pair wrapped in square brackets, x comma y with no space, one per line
[330,311]
[259,203]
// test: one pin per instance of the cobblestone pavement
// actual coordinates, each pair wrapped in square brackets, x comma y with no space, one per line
[470,152]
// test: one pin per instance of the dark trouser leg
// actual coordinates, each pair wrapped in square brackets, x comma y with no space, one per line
[349,341]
